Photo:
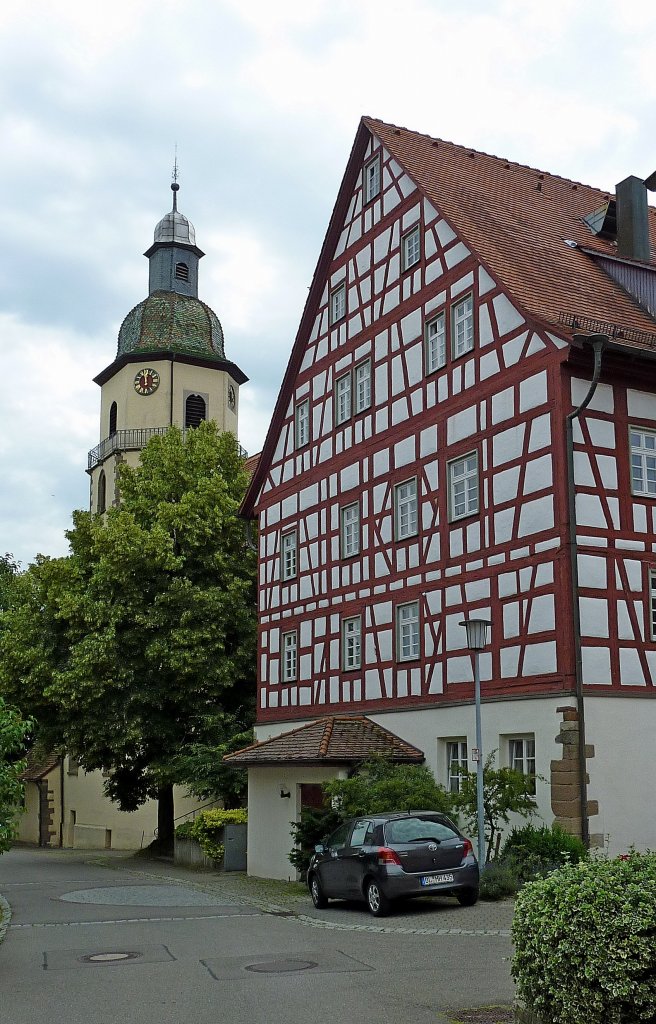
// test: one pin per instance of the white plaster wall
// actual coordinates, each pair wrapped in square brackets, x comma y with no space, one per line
[95,814]
[270,815]
[623,771]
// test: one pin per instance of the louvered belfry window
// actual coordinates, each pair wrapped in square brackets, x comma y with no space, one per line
[195,411]
[102,492]
[112,419]
[182,271]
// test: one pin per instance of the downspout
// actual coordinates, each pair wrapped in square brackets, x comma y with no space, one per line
[597,342]
[61,799]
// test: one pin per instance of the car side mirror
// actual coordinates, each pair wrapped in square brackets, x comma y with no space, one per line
[320,848]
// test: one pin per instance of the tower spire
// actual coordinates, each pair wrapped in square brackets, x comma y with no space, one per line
[174,184]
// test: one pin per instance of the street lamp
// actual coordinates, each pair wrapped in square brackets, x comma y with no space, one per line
[476,641]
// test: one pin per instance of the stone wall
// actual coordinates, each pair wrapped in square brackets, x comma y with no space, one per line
[565,789]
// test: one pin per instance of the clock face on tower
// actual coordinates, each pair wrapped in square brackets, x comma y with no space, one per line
[146,381]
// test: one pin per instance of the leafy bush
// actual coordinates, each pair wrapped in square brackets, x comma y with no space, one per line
[505,792]
[316,823]
[552,845]
[380,785]
[585,942]
[207,829]
[499,880]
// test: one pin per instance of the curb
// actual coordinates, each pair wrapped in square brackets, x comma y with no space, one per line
[5,910]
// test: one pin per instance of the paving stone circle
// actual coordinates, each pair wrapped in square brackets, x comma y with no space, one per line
[146,896]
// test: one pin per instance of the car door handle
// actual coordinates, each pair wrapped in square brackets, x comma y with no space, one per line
[361,853]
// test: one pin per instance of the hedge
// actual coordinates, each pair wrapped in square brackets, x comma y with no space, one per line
[585,942]
[207,829]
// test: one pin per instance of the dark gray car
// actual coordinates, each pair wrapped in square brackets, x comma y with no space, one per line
[383,857]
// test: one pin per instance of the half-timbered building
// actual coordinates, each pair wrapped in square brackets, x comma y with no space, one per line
[416,474]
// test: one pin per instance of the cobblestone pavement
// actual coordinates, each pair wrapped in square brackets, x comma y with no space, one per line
[433,916]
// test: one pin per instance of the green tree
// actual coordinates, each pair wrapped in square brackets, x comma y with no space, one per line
[13,730]
[505,792]
[140,645]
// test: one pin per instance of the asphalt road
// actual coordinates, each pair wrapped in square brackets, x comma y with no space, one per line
[91,945]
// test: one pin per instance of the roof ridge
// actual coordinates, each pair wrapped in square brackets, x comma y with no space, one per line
[327,733]
[370,121]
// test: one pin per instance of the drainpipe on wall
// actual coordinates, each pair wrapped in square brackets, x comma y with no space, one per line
[61,799]
[597,342]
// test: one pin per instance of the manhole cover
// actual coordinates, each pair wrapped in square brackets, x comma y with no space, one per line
[281,966]
[107,958]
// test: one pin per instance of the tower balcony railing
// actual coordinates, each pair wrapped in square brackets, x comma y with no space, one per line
[129,440]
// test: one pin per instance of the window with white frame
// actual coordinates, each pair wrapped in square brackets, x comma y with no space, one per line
[463,486]
[343,399]
[405,509]
[350,531]
[521,756]
[456,764]
[351,644]
[362,385]
[643,461]
[462,326]
[371,179]
[436,343]
[407,631]
[288,555]
[289,656]
[652,602]
[411,248]
[302,423]
[338,304]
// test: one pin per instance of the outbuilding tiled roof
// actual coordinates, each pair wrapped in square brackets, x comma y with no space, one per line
[251,463]
[337,739]
[518,220]
[39,765]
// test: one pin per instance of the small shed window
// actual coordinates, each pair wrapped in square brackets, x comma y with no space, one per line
[195,411]
[102,492]
[182,271]
[112,419]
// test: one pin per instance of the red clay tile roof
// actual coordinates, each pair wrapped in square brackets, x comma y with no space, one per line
[38,765]
[251,463]
[338,739]
[516,219]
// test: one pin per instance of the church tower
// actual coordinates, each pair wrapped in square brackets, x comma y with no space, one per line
[170,367]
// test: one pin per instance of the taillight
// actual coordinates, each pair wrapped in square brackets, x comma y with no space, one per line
[469,849]
[387,856]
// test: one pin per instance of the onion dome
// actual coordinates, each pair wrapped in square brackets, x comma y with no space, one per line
[174,226]
[170,322]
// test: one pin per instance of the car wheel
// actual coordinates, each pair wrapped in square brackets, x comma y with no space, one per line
[377,901]
[467,898]
[316,892]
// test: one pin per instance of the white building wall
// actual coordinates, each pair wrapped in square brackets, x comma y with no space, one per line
[270,815]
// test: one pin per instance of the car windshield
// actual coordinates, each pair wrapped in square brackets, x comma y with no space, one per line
[414,830]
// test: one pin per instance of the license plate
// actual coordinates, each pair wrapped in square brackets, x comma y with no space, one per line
[436,879]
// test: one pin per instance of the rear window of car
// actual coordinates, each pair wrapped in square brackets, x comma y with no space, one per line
[411,830]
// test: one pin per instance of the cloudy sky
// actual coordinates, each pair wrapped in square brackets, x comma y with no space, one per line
[263,100]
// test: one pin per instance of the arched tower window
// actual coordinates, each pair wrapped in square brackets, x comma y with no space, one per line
[182,271]
[195,411]
[112,419]
[102,492]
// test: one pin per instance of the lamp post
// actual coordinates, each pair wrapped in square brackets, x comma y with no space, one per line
[476,641]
